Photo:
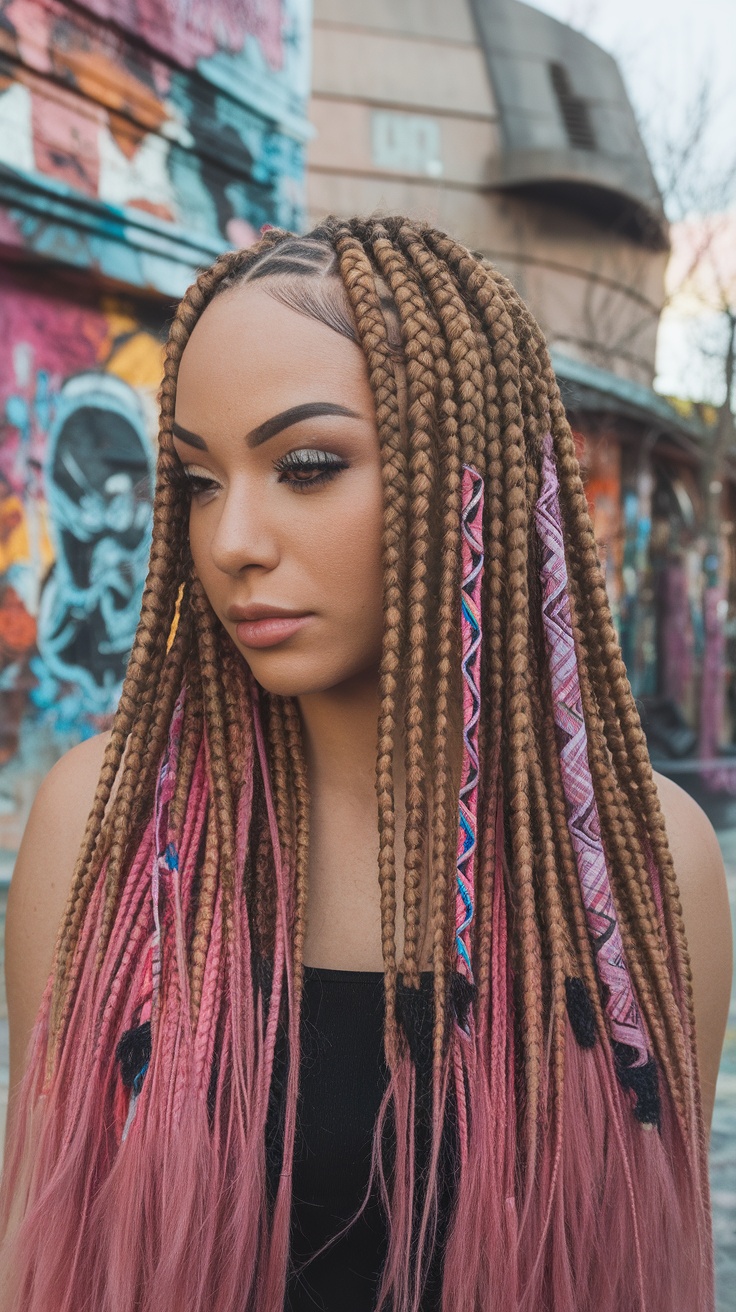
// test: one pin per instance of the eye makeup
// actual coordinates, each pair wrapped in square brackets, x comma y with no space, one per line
[306,468]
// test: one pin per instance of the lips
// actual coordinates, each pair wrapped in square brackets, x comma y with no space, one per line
[261,626]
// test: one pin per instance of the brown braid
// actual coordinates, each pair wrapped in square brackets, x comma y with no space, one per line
[462,442]
[131,737]
[417,332]
[624,738]
[301,855]
[624,882]
[621,722]
[498,326]
[358,278]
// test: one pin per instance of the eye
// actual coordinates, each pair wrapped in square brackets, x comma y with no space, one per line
[198,480]
[308,468]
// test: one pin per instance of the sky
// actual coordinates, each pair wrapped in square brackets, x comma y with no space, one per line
[671,52]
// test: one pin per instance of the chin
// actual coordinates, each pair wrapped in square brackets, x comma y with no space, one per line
[287,675]
[296,677]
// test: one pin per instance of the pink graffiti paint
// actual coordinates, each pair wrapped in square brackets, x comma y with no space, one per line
[206,27]
[41,337]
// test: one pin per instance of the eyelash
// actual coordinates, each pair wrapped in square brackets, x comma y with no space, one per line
[320,464]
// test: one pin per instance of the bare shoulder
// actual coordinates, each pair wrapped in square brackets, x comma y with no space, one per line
[701,878]
[41,883]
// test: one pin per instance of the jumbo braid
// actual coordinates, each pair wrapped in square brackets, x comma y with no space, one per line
[444,814]
[537,412]
[417,331]
[499,328]
[585,579]
[169,686]
[624,881]
[280,765]
[557,933]
[641,793]
[358,278]
[190,741]
[301,855]
[216,730]
[581,960]
[641,892]
[130,736]
[461,341]
[263,879]
[204,924]
[206,881]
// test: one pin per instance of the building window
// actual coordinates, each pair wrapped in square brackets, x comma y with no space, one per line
[406,143]
[573,109]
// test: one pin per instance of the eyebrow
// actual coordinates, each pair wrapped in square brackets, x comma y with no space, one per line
[257,436]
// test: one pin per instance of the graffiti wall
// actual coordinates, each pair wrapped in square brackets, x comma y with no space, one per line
[599,453]
[140,139]
[77,394]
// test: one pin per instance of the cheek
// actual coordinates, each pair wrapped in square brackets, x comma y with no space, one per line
[349,557]
[198,543]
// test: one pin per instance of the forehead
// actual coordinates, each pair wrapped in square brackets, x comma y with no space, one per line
[251,357]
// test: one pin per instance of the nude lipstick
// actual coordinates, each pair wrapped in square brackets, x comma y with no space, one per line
[265,626]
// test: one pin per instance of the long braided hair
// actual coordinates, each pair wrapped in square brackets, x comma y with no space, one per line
[138,1177]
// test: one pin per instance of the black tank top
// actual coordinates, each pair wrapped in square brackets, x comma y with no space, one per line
[343,1078]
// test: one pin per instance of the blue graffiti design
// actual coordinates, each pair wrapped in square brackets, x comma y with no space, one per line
[99,489]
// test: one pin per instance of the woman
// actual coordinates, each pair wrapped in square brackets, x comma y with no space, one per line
[373,580]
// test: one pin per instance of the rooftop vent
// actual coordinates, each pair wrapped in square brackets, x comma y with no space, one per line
[573,109]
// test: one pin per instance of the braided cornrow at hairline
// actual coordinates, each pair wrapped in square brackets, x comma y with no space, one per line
[552,1161]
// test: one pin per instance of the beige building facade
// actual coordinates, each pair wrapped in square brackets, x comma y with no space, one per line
[512,132]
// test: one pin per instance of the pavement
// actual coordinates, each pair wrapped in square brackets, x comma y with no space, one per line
[722,812]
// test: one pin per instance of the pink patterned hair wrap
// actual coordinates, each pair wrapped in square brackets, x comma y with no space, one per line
[470,626]
[583,820]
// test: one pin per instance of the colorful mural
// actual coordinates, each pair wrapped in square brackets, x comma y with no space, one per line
[599,454]
[77,439]
[137,141]
[140,139]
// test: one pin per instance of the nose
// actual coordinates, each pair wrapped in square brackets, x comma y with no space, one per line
[244,533]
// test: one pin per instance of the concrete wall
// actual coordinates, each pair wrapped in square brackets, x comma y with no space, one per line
[406,122]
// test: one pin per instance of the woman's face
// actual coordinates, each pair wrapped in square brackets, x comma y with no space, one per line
[275,427]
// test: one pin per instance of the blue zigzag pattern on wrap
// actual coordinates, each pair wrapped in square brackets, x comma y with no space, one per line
[471,635]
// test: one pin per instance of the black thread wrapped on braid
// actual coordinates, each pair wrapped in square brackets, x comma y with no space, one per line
[580,1010]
